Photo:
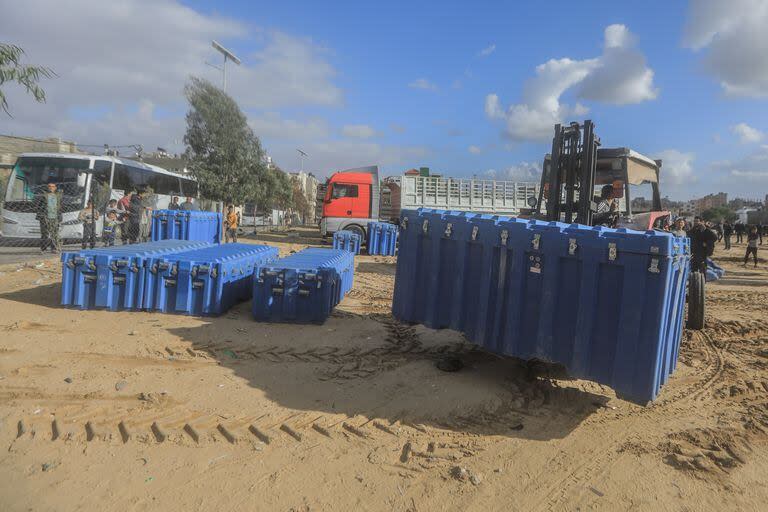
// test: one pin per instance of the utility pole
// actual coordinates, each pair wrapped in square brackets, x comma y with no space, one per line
[228,55]
[302,156]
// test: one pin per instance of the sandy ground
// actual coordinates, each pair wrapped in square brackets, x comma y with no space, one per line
[138,411]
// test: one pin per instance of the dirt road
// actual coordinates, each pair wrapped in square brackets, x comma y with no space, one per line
[139,411]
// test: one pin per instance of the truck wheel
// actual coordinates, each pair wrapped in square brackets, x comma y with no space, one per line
[359,231]
[696,301]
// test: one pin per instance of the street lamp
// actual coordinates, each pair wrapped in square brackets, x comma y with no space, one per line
[302,156]
[227,55]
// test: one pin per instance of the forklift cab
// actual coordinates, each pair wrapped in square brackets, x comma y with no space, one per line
[627,172]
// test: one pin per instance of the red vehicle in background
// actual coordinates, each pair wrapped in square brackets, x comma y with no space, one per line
[351,201]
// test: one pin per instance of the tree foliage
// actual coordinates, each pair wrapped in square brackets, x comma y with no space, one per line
[719,213]
[12,70]
[278,192]
[224,154]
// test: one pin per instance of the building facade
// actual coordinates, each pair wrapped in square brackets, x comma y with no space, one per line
[308,185]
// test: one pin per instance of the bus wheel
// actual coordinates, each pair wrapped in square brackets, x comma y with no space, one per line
[696,301]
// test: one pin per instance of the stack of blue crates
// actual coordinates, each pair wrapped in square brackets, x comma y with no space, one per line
[606,303]
[186,225]
[303,287]
[347,241]
[382,238]
[205,281]
[113,277]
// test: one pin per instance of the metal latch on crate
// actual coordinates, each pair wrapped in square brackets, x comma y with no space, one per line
[170,282]
[89,278]
[536,241]
[117,264]
[475,229]
[612,252]
[198,283]
[425,226]
[118,280]
[504,236]
[404,223]
[448,230]
[303,292]
[654,268]
[277,290]
[572,246]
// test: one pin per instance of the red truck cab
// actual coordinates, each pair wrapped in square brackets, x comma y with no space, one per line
[351,201]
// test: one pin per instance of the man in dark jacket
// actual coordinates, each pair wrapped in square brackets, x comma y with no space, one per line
[702,244]
[48,214]
[135,211]
[727,233]
[739,229]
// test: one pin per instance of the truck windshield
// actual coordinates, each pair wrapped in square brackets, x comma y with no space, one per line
[31,175]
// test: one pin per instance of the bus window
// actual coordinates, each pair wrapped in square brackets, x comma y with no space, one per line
[188,187]
[100,190]
[32,174]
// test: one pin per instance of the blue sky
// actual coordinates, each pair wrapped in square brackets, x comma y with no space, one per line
[450,85]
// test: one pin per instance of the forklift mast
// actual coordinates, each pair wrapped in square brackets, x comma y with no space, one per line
[568,185]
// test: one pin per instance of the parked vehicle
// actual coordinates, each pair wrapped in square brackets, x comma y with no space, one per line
[355,197]
[80,178]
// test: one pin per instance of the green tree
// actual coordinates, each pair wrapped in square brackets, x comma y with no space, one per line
[12,70]
[224,154]
[719,213]
[278,190]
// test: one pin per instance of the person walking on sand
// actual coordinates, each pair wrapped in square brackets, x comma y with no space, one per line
[727,233]
[752,238]
[230,225]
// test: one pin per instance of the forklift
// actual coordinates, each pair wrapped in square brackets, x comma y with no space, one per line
[578,167]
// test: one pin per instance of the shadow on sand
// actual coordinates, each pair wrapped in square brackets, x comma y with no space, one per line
[376,368]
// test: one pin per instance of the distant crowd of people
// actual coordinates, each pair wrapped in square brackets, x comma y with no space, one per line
[128,219]
[704,236]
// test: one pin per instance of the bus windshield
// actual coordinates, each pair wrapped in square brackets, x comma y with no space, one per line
[31,175]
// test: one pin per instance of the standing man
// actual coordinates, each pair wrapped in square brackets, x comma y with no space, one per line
[739,228]
[702,244]
[135,212]
[124,215]
[88,216]
[188,205]
[727,233]
[230,225]
[174,203]
[49,215]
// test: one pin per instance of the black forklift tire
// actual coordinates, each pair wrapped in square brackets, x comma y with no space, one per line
[696,301]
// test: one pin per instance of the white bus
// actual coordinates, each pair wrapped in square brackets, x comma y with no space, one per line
[80,178]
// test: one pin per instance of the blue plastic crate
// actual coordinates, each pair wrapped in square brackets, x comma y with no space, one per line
[112,277]
[382,239]
[303,287]
[186,225]
[347,241]
[205,281]
[606,303]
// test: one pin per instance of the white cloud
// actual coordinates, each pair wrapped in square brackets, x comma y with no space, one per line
[475,150]
[524,171]
[112,57]
[328,156]
[358,131]
[732,37]
[746,133]
[487,50]
[422,83]
[676,168]
[273,125]
[619,76]
[751,168]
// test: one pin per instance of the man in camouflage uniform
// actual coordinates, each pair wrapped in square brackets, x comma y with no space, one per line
[49,216]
